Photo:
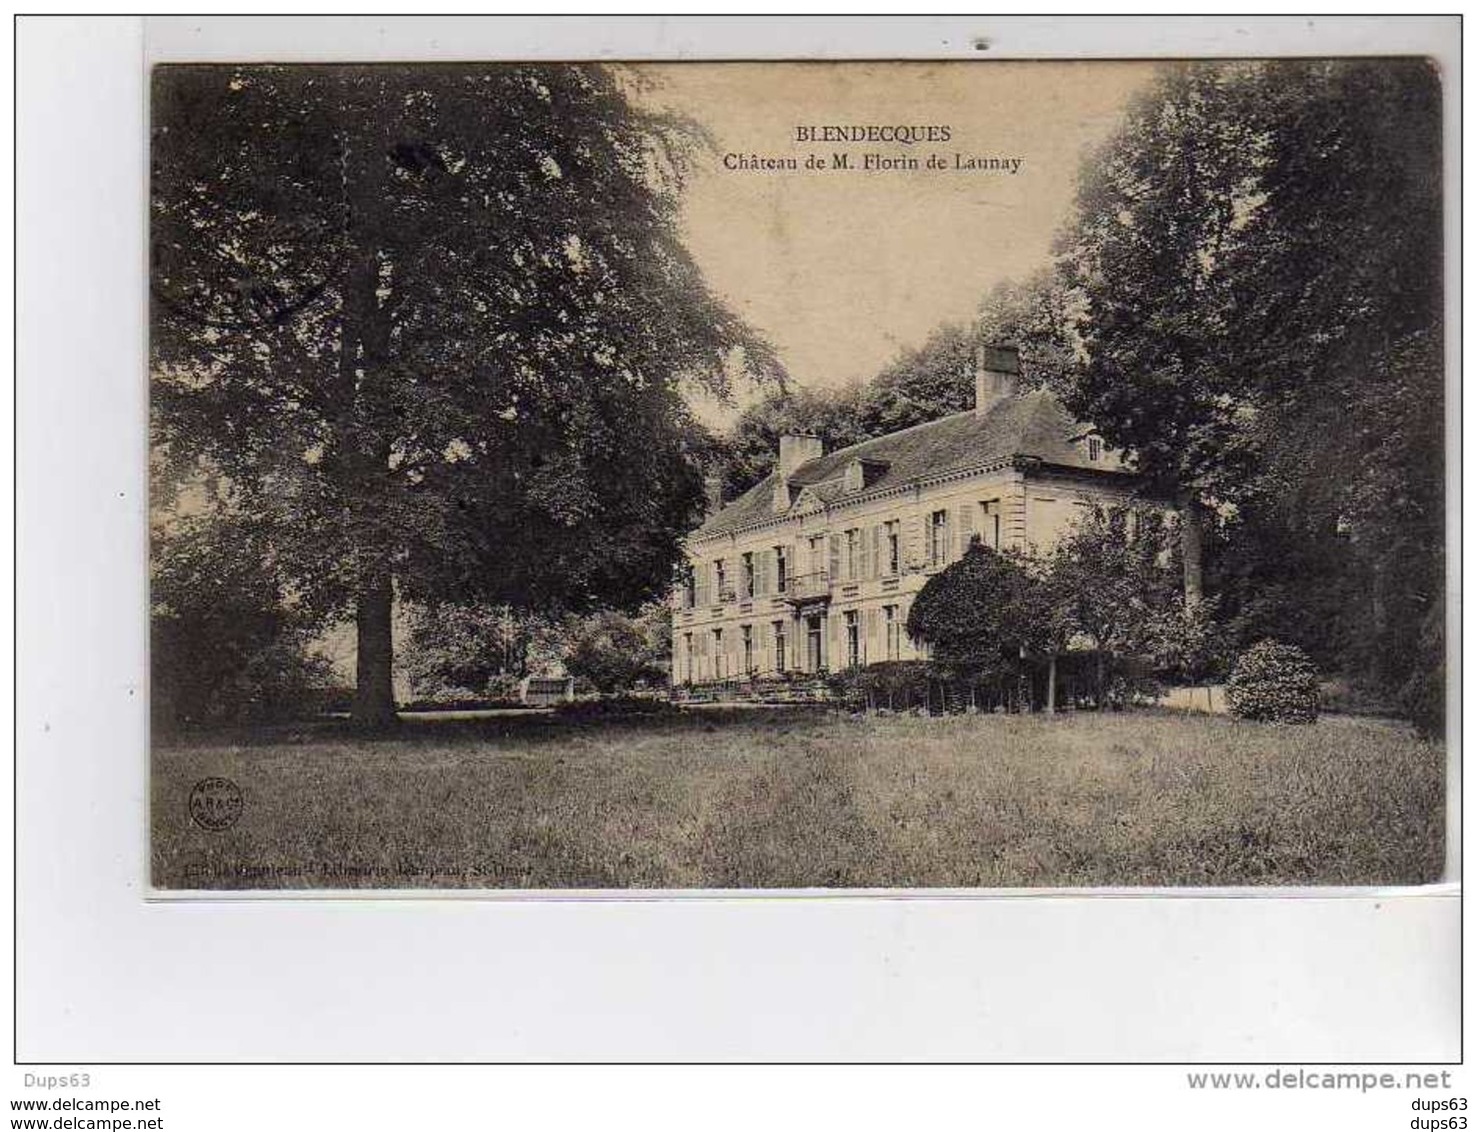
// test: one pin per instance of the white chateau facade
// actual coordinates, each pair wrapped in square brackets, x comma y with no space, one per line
[814,568]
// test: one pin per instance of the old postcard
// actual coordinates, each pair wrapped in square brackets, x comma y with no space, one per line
[829,475]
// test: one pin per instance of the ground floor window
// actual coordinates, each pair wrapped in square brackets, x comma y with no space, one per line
[893,632]
[779,646]
[748,638]
[687,654]
[815,658]
[719,668]
[853,638]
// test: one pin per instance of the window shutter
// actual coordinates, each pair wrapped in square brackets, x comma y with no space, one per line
[964,528]
[835,558]
[760,570]
[913,540]
[869,636]
[879,563]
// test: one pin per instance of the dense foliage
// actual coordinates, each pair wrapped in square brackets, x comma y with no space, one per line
[431,325]
[975,612]
[616,652]
[1258,253]
[228,644]
[472,651]
[1102,607]
[1274,682]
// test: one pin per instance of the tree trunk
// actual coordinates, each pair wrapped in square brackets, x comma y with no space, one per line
[1051,685]
[374,691]
[1192,539]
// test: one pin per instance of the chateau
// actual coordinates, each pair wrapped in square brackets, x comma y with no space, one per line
[814,568]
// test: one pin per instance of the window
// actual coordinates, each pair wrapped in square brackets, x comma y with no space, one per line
[851,569]
[719,668]
[689,588]
[687,654]
[893,631]
[1094,448]
[853,638]
[749,574]
[938,538]
[817,555]
[991,533]
[748,638]
[779,646]
[720,579]
[894,548]
[781,570]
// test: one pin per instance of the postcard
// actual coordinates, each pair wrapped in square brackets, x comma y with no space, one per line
[967,475]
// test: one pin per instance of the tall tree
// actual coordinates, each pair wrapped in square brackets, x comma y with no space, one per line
[1259,252]
[1340,317]
[431,323]
[1161,208]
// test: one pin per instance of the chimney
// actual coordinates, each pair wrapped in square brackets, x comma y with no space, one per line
[713,489]
[798,448]
[997,373]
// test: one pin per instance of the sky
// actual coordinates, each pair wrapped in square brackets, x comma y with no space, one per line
[840,270]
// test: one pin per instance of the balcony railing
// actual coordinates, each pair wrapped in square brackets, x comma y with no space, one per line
[803,587]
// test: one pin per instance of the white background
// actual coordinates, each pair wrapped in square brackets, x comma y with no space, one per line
[105,975]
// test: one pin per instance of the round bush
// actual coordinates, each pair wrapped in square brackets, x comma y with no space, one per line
[1274,682]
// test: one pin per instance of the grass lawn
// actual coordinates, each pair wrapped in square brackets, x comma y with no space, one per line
[806,798]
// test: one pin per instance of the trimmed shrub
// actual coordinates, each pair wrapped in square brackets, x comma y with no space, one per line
[1274,682]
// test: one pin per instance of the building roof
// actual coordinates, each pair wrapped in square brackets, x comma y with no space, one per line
[1033,425]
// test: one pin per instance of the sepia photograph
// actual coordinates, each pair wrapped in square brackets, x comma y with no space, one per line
[816,476]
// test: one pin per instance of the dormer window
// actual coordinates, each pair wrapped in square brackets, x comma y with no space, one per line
[1090,444]
[862,473]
